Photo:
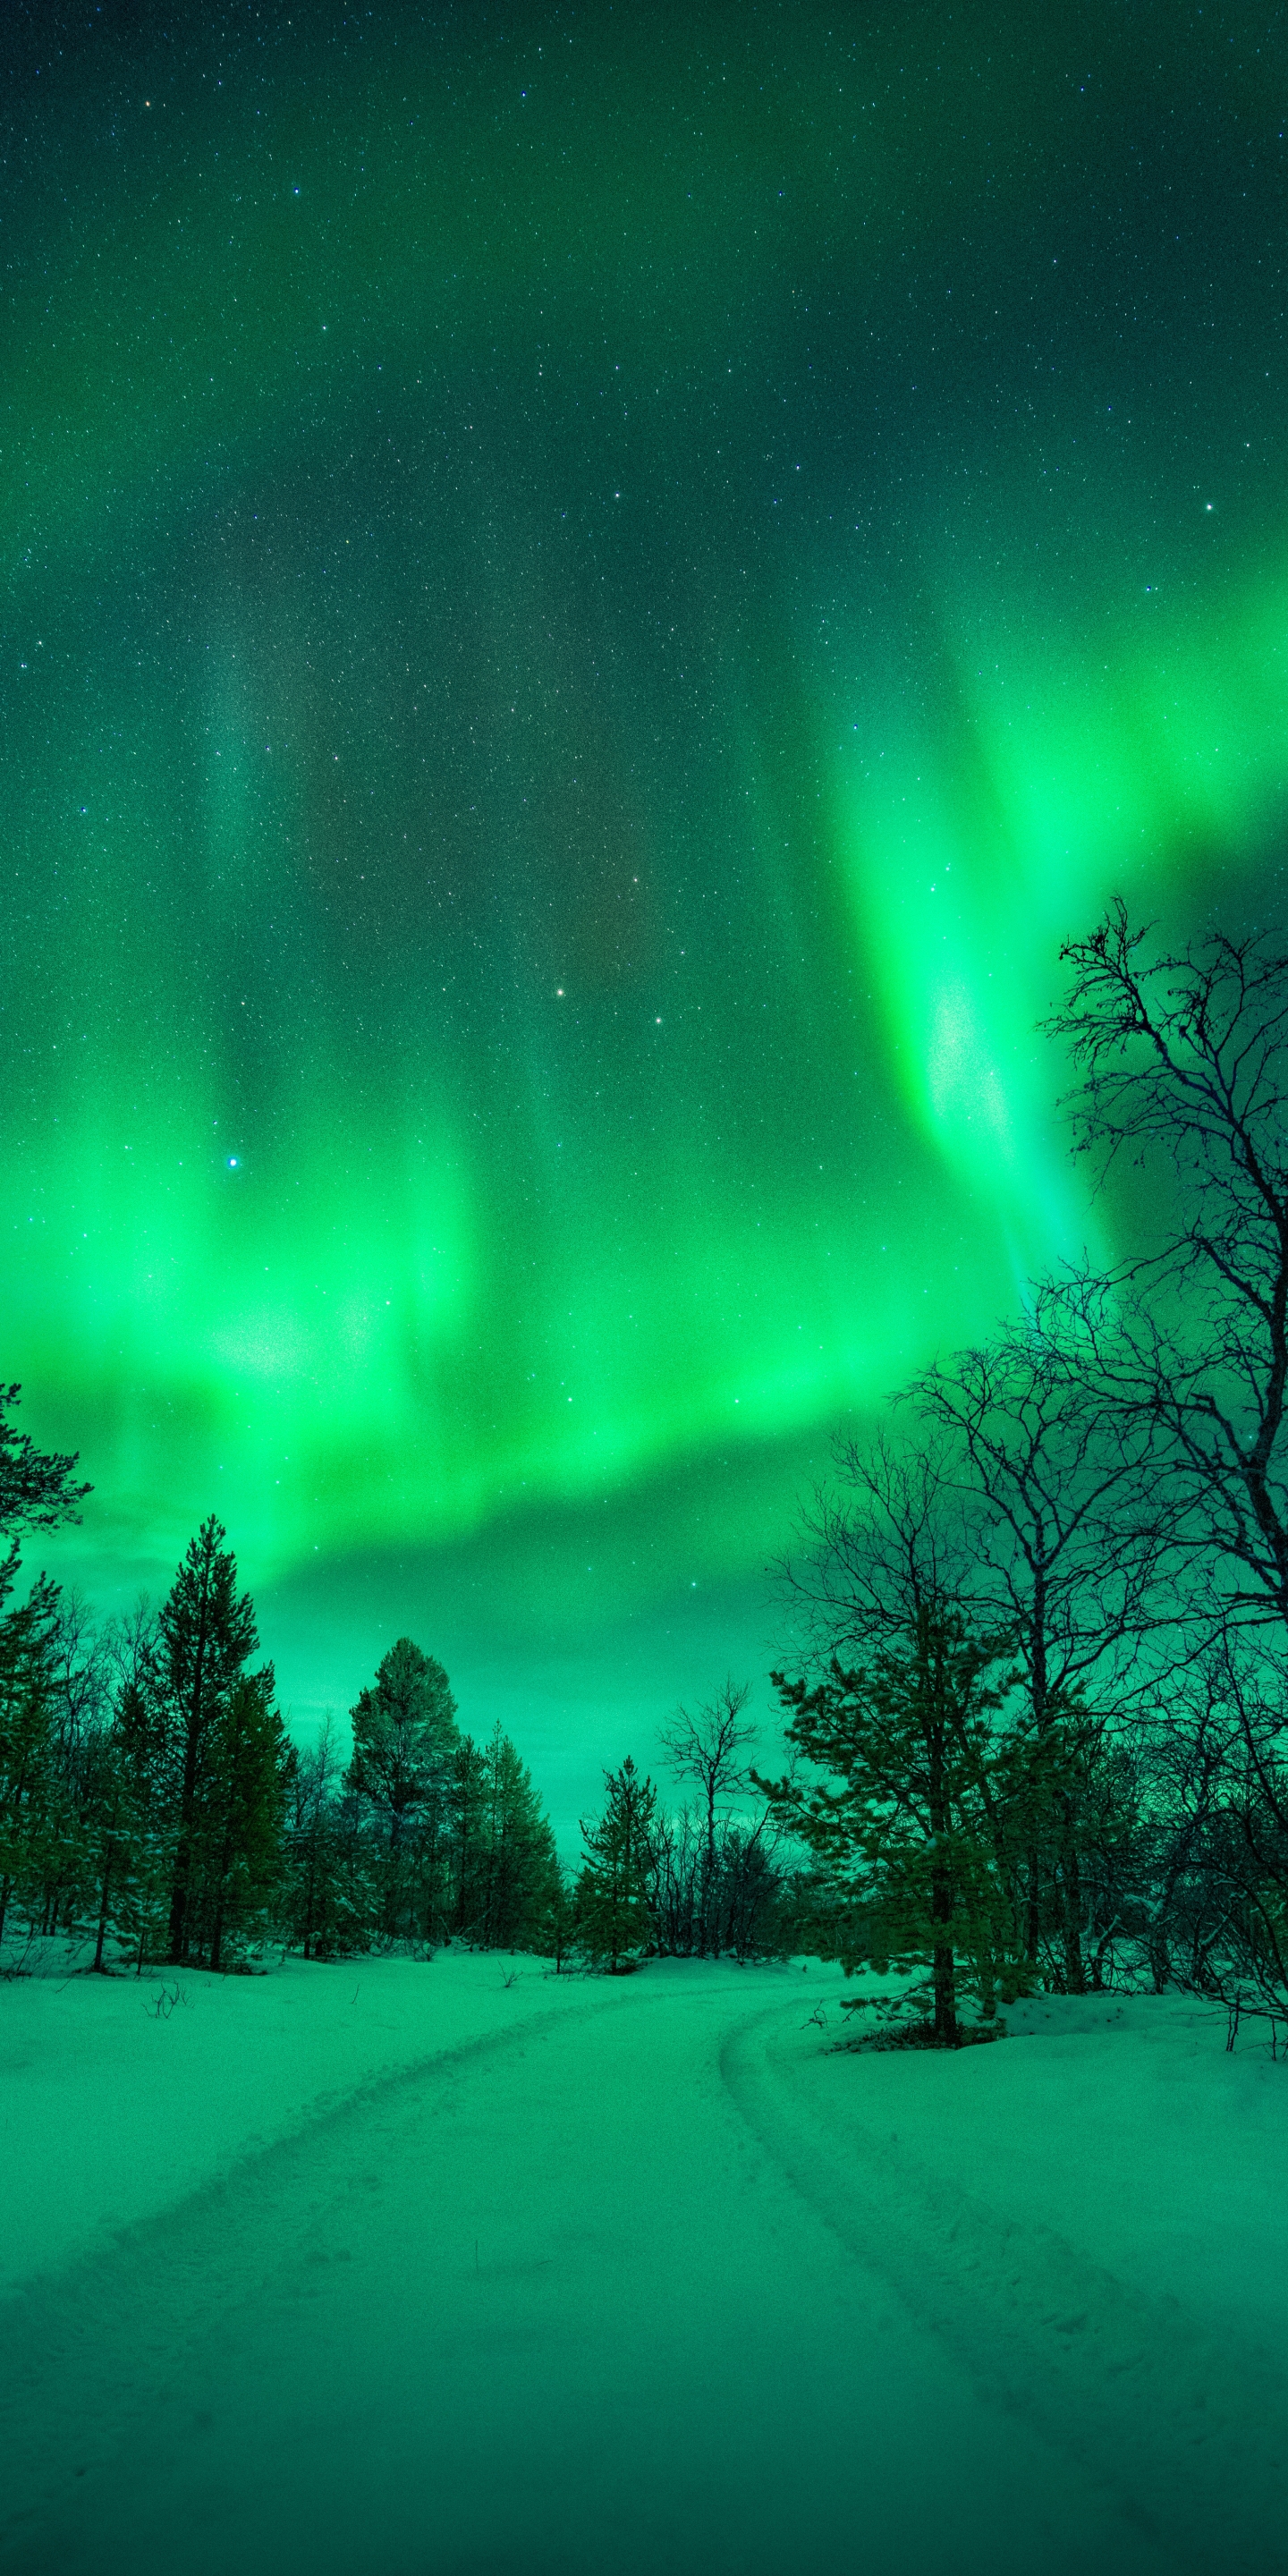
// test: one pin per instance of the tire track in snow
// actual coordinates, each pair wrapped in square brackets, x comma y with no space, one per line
[1187,2433]
[659,2363]
[85,2352]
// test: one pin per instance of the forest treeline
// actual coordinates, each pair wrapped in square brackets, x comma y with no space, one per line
[1040,1711]
[153,1809]
[1036,1707]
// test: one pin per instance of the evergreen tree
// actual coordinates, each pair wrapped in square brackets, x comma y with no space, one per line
[243,1815]
[29,1785]
[522,1871]
[358,1873]
[207,1634]
[319,1908]
[36,1492]
[614,1891]
[467,1852]
[905,1710]
[111,1836]
[36,1487]
[907,1845]
[405,1739]
[145,1771]
[555,1928]
[82,1709]
[129,1844]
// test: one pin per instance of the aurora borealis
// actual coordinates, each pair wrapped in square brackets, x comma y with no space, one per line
[587,596]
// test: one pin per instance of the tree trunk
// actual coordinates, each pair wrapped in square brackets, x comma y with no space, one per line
[1075,1975]
[1038,1702]
[943,1964]
[943,1971]
[102,1916]
[178,1942]
[217,1934]
[987,1987]
[1033,1910]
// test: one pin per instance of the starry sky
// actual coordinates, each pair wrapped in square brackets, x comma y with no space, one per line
[588,592]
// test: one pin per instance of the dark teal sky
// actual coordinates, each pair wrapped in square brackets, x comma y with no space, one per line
[587,594]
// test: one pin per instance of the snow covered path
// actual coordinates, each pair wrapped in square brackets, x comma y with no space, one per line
[623,2286]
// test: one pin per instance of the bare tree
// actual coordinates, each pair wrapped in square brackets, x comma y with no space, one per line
[1183,1059]
[1066,1544]
[708,1749]
[1221,1873]
[81,1674]
[1184,1062]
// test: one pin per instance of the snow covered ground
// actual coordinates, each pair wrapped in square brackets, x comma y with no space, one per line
[401,2267]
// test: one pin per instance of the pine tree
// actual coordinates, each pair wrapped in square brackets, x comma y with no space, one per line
[36,1488]
[614,1891]
[207,1633]
[909,1844]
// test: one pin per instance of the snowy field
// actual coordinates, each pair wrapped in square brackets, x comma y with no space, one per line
[400,2266]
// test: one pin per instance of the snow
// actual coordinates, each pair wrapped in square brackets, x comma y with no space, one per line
[115,2103]
[400,2266]
[1122,2124]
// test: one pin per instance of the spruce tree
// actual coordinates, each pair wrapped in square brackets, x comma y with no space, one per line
[36,1492]
[467,1843]
[404,1741]
[111,1837]
[146,1760]
[614,1891]
[555,1929]
[207,1634]
[29,1785]
[82,1698]
[243,1814]
[520,1864]
[127,1831]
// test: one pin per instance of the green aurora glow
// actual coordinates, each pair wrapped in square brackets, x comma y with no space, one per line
[585,603]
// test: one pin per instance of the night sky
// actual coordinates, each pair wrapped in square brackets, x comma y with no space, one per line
[587,594]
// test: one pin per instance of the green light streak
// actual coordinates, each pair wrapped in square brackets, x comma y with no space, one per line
[564,686]
[1064,778]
